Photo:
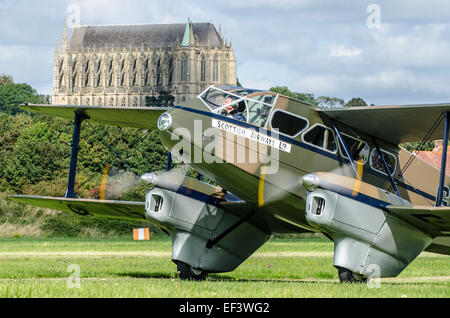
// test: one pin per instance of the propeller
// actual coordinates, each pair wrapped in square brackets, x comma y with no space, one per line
[168,179]
[117,182]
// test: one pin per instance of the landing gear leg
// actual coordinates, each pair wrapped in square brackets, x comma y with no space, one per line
[347,276]
[187,272]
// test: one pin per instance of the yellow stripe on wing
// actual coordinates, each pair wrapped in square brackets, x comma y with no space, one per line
[261,186]
[360,171]
[103,185]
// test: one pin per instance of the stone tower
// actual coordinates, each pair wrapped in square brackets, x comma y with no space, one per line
[120,65]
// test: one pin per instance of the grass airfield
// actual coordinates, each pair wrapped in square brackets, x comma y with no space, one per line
[282,268]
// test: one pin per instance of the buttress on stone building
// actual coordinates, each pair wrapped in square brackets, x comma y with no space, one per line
[119,65]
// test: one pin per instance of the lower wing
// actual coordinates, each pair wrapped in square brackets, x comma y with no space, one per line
[434,221]
[125,210]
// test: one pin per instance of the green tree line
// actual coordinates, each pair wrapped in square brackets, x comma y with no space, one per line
[35,154]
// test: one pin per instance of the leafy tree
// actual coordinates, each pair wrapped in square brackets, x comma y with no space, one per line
[415,146]
[330,102]
[305,97]
[6,79]
[356,101]
[151,101]
[36,156]
[12,95]
[165,99]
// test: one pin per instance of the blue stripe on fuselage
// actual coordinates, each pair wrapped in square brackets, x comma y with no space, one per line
[361,197]
[303,145]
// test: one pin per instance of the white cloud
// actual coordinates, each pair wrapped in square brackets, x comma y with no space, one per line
[322,47]
[340,50]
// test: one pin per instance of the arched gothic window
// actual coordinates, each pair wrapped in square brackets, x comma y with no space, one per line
[215,69]
[203,69]
[61,78]
[184,69]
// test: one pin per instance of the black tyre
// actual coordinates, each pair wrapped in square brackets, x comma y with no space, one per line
[347,276]
[187,272]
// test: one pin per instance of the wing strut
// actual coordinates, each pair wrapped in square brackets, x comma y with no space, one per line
[345,149]
[70,192]
[169,161]
[380,153]
[443,161]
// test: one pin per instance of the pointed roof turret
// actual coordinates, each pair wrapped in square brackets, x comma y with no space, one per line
[191,34]
[65,30]
[64,38]
[187,34]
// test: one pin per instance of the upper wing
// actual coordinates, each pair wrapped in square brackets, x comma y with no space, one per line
[395,124]
[129,210]
[137,117]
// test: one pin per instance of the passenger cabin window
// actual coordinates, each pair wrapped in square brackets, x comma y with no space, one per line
[357,148]
[287,123]
[376,162]
[321,137]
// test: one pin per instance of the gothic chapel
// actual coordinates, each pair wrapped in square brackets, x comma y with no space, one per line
[120,65]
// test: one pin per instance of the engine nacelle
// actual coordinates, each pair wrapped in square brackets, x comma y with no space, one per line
[367,240]
[192,219]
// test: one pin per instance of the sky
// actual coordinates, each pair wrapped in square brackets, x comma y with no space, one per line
[386,52]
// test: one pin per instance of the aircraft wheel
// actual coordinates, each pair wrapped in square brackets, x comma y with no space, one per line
[347,276]
[187,272]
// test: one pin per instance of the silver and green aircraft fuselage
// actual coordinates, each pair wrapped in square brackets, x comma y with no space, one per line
[304,142]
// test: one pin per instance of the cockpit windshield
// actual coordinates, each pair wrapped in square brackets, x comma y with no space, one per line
[248,105]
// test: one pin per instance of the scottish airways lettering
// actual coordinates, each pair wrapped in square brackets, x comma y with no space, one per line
[252,135]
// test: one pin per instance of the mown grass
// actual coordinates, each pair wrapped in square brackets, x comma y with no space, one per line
[157,243]
[142,276]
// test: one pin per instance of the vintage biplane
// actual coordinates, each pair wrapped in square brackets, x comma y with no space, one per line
[282,166]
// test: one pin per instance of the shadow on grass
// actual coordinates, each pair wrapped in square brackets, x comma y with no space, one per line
[224,278]
[147,275]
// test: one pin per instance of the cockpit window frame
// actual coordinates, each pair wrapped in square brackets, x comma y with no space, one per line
[239,99]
